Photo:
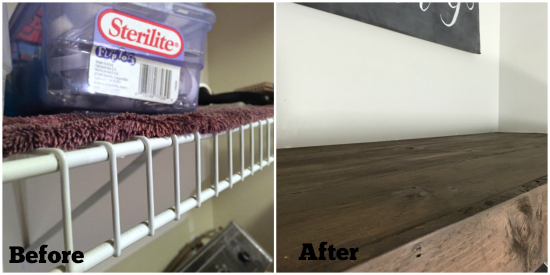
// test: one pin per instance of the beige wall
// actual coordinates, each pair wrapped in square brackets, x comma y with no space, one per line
[11,8]
[240,53]
[523,67]
[240,47]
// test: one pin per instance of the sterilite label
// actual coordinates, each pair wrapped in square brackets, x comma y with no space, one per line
[135,58]
[126,75]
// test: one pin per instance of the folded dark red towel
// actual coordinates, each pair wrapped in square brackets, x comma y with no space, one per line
[70,131]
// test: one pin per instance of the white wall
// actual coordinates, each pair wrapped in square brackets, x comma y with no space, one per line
[523,67]
[343,81]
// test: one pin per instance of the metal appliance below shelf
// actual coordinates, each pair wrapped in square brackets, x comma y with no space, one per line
[232,250]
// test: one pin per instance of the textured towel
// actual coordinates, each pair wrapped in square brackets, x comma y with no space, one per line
[70,131]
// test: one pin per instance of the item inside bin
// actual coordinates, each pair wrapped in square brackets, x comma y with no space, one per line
[257,94]
[252,98]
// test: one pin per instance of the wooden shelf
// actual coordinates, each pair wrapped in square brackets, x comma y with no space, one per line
[457,204]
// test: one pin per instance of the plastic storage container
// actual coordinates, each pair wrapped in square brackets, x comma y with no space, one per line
[6,55]
[107,57]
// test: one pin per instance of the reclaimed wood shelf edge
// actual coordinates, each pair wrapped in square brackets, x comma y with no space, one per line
[383,197]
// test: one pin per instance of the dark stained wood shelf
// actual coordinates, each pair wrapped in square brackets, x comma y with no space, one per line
[471,203]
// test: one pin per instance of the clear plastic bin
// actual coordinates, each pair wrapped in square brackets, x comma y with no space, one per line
[6,55]
[54,46]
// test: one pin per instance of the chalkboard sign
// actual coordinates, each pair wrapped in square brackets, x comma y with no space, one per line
[452,24]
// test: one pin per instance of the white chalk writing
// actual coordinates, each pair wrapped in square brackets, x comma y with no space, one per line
[455,16]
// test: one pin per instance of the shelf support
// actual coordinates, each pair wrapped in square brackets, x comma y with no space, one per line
[134,234]
[150,195]
[230,157]
[261,144]
[65,199]
[241,136]
[216,165]
[198,167]
[268,141]
[114,193]
[252,149]
[177,199]
[85,205]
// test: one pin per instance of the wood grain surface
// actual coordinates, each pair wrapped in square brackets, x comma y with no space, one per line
[460,203]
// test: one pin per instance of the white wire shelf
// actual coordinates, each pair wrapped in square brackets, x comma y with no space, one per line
[49,160]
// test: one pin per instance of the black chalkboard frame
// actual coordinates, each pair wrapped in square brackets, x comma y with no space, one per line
[428,21]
